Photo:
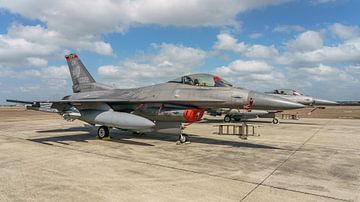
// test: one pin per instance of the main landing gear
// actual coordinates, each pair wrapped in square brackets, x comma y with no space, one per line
[183,139]
[275,121]
[227,118]
[103,133]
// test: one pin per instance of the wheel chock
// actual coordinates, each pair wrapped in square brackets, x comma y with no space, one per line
[107,138]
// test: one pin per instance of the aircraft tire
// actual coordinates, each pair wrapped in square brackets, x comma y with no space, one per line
[103,132]
[227,118]
[275,121]
[183,138]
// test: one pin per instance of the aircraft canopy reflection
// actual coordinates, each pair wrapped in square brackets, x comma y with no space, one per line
[286,92]
[207,80]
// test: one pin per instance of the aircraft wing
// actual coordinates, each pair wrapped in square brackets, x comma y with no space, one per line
[62,105]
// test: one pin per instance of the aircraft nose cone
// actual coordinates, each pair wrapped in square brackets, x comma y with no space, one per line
[324,102]
[270,102]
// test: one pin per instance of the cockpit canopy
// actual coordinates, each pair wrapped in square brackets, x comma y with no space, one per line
[207,80]
[286,92]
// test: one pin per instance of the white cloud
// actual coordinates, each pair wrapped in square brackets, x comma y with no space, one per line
[30,45]
[85,17]
[58,40]
[353,70]
[261,51]
[169,62]
[325,81]
[45,73]
[289,28]
[253,74]
[306,63]
[226,42]
[244,67]
[309,40]
[41,83]
[347,52]
[79,25]
[344,32]
[38,62]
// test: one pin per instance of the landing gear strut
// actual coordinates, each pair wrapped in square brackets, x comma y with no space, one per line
[183,138]
[103,132]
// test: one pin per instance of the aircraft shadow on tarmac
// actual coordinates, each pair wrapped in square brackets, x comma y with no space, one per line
[83,137]
[124,137]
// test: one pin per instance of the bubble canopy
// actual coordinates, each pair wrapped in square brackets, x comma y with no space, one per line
[207,80]
[286,92]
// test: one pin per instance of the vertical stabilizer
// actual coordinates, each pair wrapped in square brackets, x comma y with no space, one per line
[79,74]
[81,78]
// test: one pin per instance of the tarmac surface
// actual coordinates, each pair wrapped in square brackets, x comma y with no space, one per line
[45,158]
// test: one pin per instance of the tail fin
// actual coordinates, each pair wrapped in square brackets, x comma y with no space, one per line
[81,78]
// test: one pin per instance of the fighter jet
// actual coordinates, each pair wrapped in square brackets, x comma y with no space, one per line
[296,96]
[290,94]
[162,108]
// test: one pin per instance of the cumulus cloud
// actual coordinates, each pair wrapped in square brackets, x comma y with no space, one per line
[305,62]
[169,62]
[261,51]
[344,32]
[309,40]
[346,52]
[242,72]
[38,62]
[32,45]
[325,81]
[289,28]
[80,24]
[51,72]
[115,16]
[51,82]
[226,42]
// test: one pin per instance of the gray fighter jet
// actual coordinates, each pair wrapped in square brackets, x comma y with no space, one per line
[290,94]
[163,107]
[296,96]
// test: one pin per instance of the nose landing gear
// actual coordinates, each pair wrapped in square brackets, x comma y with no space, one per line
[183,139]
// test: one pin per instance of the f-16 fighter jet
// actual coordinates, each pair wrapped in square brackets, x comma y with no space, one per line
[163,107]
[296,96]
[293,95]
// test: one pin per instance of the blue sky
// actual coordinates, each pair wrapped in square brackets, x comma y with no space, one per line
[312,46]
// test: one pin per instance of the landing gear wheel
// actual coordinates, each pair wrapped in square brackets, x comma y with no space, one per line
[275,121]
[103,132]
[227,118]
[183,138]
